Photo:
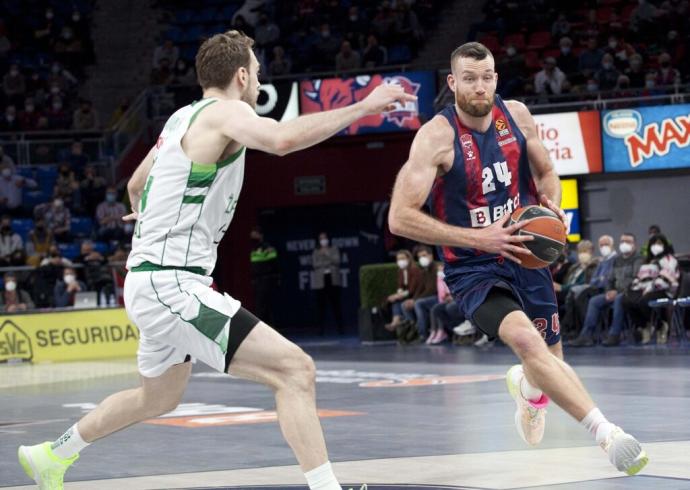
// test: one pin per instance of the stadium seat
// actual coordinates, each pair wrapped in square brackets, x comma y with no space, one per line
[539,40]
[22,227]
[69,250]
[101,247]
[517,40]
[31,199]
[81,226]
[491,42]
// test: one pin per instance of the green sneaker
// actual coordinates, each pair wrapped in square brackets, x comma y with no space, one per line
[43,466]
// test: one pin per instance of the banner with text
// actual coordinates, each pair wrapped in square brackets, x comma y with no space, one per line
[67,336]
[573,141]
[331,93]
[646,138]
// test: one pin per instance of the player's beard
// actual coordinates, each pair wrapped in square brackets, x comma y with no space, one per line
[250,97]
[475,110]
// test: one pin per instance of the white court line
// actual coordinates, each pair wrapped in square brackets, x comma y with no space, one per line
[494,470]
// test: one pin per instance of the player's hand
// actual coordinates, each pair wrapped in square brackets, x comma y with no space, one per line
[501,239]
[545,201]
[133,216]
[384,97]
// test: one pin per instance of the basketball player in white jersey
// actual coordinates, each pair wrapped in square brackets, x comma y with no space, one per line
[183,195]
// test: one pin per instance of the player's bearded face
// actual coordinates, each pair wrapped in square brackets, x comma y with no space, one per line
[475,86]
[473,104]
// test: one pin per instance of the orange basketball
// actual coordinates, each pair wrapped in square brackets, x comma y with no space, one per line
[549,234]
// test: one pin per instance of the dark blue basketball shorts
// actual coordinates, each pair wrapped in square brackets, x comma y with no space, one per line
[533,289]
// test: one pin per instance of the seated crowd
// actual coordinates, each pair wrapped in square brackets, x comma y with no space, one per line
[599,295]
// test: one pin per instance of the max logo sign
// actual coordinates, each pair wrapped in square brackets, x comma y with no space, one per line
[14,343]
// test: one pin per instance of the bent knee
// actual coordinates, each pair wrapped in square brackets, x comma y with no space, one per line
[523,338]
[298,370]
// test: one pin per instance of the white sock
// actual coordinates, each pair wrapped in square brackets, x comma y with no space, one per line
[528,391]
[69,443]
[597,425]
[322,478]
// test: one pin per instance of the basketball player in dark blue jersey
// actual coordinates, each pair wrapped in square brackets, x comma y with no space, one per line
[473,164]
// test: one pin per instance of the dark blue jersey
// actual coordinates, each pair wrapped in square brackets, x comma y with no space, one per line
[490,177]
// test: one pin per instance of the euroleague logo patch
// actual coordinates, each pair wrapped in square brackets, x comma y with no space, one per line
[502,127]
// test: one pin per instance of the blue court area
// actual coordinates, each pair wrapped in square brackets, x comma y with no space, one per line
[394,418]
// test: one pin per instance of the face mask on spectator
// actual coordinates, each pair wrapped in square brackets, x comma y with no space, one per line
[656,249]
[440,275]
[76,17]
[110,197]
[10,286]
[605,250]
[6,172]
[323,242]
[424,261]
[57,106]
[592,87]
[29,107]
[613,44]
[649,84]
[607,65]
[69,279]
[54,90]
[625,248]
[584,257]
[58,203]
[510,51]
[9,117]
[403,263]
[565,49]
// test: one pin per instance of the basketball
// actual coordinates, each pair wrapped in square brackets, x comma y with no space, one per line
[549,234]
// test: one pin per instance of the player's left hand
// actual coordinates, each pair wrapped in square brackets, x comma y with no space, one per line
[546,202]
[133,216]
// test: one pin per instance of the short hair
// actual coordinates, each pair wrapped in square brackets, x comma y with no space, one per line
[220,56]
[627,233]
[422,248]
[472,50]
[585,245]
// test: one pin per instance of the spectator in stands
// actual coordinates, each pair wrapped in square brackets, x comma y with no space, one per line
[642,19]
[625,267]
[166,51]
[28,118]
[326,281]
[120,110]
[48,273]
[326,47]
[576,302]
[383,22]
[409,279]
[280,65]
[650,85]
[92,188]
[427,297]
[163,75]
[183,74]
[592,88]
[567,62]
[622,87]
[444,315]
[265,274]
[39,243]
[46,31]
[657,278]
[58,117]
[85,118]
[590,59]
[607,75]
[67,188]
[355,26]
[11,186]
[620,50]
[61,78]
[512,71]
[9,122]
[579,273]
[550,79]
[347,59]
[6,161]
[57,217]
[11,244]
[667,75]
[69,49]
[560,27]
[266,33]
[109,215]
[96,274]
[373,55]
[55,258]
[36,87]
[67,288]
[14,85]
[76,157]
[12,299]
[636,72]
[407,28]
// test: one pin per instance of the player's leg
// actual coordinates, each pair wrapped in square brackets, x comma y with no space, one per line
[267,357]
[558,381]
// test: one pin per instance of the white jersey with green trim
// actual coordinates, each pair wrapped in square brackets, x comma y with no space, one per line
[186,207]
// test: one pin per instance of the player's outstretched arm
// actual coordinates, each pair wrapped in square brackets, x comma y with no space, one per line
[243,125]
[431,148]
[135,186]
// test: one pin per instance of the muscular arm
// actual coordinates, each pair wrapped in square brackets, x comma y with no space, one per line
[135,186]
[545,176]
[240,123]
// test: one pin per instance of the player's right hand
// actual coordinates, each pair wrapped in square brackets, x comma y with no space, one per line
[498,238]
[384,97]
[133,216]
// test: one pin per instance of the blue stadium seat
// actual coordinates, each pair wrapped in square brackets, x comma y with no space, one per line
[22,227]
[31,199]
[101,247]
[399,54]
[26,171]
[82,226]
[69,250]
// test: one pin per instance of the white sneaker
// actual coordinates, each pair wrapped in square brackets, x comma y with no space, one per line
[482,341]
[465,328]
[530,417]
[625,452]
